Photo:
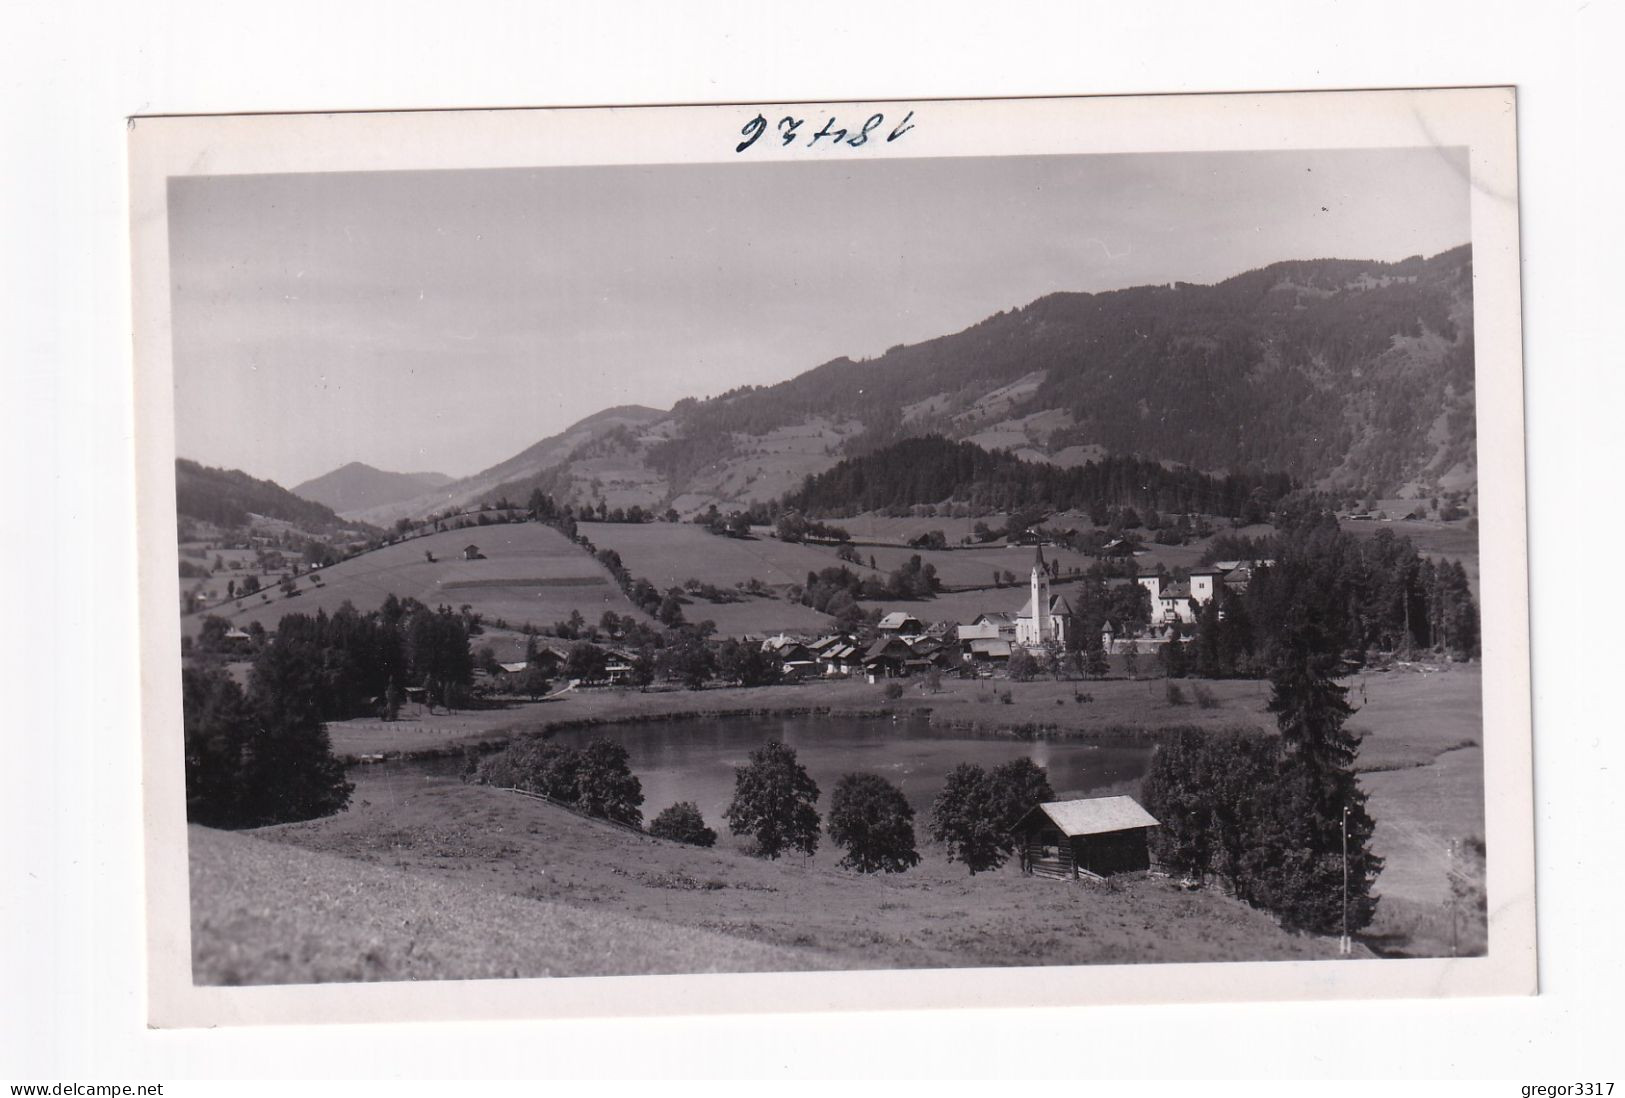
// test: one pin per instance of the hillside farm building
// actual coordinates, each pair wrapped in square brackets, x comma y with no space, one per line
[1092,837]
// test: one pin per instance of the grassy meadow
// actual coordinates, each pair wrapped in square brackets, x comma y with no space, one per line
[267,912]
[530,573]
[1420,758]
[446,868]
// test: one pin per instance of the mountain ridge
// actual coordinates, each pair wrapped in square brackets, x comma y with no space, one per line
[1349,375]
[357,486]
[229,498]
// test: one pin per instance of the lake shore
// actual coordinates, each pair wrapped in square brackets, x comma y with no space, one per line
[1423,772]
[1050,707]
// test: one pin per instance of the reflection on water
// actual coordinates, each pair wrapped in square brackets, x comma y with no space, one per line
[695,760]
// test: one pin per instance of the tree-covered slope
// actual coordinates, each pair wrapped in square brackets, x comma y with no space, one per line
[227,497]
[1333,371]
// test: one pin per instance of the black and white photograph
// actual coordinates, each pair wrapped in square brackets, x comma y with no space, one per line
[1071,540]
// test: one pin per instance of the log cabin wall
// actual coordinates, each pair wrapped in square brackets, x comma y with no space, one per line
[1049,854]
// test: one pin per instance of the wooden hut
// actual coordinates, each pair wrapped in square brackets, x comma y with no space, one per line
[1092,837]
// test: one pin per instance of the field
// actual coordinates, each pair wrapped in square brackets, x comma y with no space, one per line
[670,554]
[426,878]
[439,879]
[268,912]
[769,465]
[530,573]
[1447,540]
[533,574]
[1420,758]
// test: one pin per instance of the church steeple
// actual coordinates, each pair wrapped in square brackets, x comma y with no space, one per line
[1041,623]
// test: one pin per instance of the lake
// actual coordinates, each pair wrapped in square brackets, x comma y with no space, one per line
[694,760]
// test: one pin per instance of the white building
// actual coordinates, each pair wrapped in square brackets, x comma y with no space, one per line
[1182,600]
[1045,619]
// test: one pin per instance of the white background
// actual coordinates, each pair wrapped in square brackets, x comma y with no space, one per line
[71,979]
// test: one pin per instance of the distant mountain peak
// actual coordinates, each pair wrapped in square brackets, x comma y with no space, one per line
[357,486]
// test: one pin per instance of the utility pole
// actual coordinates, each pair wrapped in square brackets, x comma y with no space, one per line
[1345,946]
[1451,877]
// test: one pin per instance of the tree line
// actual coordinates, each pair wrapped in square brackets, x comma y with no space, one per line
[932,469]
[775,804]
[837,589]
[1369,595]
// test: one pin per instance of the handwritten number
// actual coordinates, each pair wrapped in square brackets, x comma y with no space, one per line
[750,131]
[789,127]
[825,132]
[862,136]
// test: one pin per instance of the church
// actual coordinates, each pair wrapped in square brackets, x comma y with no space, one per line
[1046,619]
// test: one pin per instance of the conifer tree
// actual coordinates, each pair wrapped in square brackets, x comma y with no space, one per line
[1295,864]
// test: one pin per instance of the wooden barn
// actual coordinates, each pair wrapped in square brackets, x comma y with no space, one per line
[1092,837]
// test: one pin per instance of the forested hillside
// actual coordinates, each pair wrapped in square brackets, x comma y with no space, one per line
[1346,375]
[933,470]
[226,497]
[1334,371]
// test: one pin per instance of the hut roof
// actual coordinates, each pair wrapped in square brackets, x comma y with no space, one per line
[1093,815]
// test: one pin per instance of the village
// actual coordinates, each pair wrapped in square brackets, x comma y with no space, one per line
[1028,671]
[1117,626]
[900,644]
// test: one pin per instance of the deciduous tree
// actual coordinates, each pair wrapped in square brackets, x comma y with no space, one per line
[873,821]
[683,823]
[966,818]
[774,802]
[606,786]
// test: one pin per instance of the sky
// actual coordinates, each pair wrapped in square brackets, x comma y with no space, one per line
[444,320]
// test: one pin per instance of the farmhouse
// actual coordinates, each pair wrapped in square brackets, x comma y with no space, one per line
[1091,837]
[886,657]
[987,650]
[901,624]
[837,654]
[550,657]
[994,626]
[795,659]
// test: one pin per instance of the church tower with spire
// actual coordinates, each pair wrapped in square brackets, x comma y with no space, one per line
[1046,619]
[1043,629]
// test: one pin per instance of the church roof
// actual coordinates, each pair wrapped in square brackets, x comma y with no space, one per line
[1057,605]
